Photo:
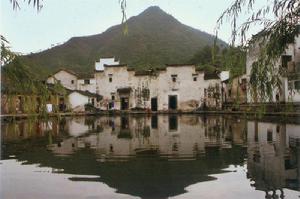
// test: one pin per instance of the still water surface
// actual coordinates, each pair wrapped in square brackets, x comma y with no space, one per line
[150,157]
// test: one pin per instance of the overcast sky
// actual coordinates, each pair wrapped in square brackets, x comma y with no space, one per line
[59,20]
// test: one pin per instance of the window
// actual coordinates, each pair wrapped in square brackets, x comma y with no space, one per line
[297,85]
[154,121]
[285,59]
[110,78]
[72,81]
[270,135]
[194,77]
[112,97]
[229,92]
[173,123]
[277,128]
[86,81]
[174,78]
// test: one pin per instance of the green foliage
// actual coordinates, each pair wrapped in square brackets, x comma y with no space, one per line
[280,25]
[211,59]
[17,78]
[6,56]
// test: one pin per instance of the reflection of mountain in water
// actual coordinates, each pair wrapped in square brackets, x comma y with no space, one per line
[158,156]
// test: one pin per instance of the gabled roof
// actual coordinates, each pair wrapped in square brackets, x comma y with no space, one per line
[66,70]
[209,76]
[116,65]
[179,65]
[124,90]
[86,93]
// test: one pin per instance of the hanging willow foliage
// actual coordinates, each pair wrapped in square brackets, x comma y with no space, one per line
[279,20]
[38,4]
[17,80]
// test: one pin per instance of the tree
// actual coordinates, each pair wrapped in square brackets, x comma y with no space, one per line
[279,20]
[36,3]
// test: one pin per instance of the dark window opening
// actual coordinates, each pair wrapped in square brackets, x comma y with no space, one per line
[86,81]
[154,121]
[72,81]
[154,104]
[174,78]
[173,102]
[297,85]
[112,97]
[277,128]
[285,59]
[229,92]
[173,123]
[270,135]
[124,103]
[195,79]
[110,78]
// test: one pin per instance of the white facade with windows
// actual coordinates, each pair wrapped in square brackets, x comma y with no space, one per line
[290,83]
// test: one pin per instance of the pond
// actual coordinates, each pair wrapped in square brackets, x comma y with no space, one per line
[150,157]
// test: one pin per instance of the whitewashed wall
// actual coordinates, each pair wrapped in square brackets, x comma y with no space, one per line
[190,93]
[76,99]
[66,79]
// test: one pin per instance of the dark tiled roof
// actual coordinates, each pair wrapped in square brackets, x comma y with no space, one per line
[179,65]
[116,65]
[208,76]
[145,73]
[124,90]
[66,70]
[85,93]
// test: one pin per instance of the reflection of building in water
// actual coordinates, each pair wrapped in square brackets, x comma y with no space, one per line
[273,156]
[172,136]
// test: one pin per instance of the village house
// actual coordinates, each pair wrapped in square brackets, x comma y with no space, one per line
[290,80]
[72,81]
[177,87]
[234,90]
[78,99]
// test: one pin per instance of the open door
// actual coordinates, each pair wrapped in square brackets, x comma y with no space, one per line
[124,103]
[172,102]
[154,104]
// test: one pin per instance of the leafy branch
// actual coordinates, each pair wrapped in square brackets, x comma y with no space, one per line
[279,20]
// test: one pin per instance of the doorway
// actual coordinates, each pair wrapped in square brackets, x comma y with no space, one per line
[172,102]
[124,103]
[154,104]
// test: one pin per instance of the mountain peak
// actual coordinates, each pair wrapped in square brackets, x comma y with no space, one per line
[154,10]
[155,38]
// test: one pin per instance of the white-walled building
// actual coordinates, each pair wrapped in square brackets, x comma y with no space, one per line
[73,81]
[99,66]
[177,87]
[78,99]
[290,83]
[66,78]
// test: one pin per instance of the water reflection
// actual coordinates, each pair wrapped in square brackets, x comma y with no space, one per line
[273,157]
[159,156]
